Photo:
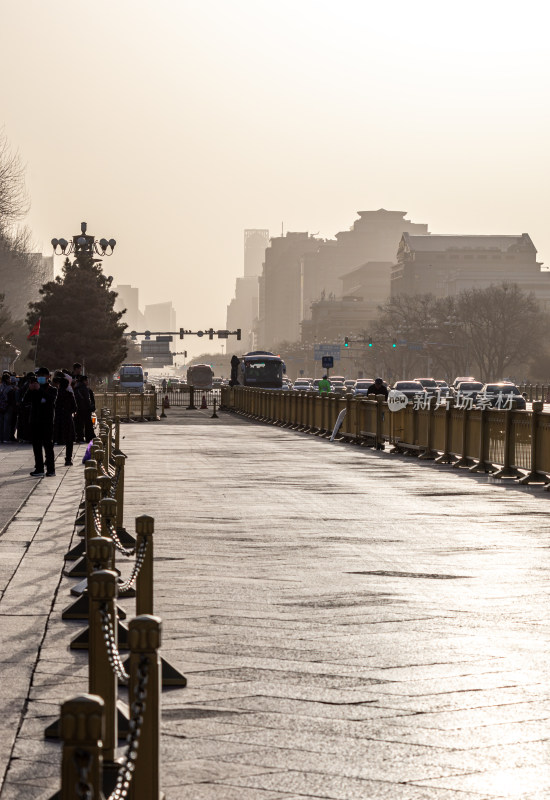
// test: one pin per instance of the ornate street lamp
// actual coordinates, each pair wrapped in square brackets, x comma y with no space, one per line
[83,243]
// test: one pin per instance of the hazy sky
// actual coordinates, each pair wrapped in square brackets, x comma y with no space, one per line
[173,125]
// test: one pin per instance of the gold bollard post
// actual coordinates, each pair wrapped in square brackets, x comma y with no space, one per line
[162,413]
[120,462]
[145,527]
[145,639]
[82,731]
[102,679]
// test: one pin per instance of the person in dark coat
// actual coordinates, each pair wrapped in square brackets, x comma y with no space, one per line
[65,409]
[378,387]
[40,397]
[83,420]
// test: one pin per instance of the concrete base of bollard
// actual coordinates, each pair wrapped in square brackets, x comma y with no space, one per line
[76,552]
[81,640]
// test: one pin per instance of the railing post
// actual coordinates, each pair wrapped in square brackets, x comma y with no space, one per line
[379,409]
[535,476]
[429,453]
[447,457]
[464,461]
[120,462]
[145,639]
[82,730]
[128,406]
[483,463]
[93,496]
[508,471]
[142,407]
[102,680]
[145,527]
[191,406]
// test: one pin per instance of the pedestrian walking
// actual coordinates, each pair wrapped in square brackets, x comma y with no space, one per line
[40,397]
[65,409]
[378,387]
[324,384]
[7,407]
[164,384]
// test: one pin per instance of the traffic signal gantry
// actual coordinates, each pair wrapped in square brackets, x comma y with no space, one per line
[221,334]
[369,342]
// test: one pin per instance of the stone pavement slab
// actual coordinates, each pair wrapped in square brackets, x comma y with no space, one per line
[352,624]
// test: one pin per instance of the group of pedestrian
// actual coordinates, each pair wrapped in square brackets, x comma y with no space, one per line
[46,410]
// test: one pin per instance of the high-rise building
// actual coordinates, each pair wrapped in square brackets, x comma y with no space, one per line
[160,317]
[280,289]
[128,301]
[446,265]
[242,311]
[374,237]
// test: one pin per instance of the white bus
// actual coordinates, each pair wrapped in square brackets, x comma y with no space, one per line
[131,378]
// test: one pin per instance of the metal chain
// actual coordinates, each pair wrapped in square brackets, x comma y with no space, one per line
[140,558]
[83,762]
[112,650]
[97,518]
[114,482]
[126,551]
[128,765]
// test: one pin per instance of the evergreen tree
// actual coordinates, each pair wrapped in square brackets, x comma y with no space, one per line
[78,320]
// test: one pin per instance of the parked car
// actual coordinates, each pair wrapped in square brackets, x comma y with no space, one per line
[302,385]
[350,385]
[410,389]
[429,384]
[468,389]
[362,386]
[338,387]
[444,388]
[499,395]
[460,380]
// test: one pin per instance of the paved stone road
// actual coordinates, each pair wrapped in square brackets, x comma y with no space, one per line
[352,624]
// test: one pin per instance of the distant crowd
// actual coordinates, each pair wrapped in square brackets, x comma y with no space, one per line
[38,409]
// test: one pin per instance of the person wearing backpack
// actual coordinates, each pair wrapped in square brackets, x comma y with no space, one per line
[7,407]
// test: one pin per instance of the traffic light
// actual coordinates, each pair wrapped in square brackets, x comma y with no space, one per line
[370,342]
[211,333]
[238,334]
[394,343]
[346,342]
[181,333]
[185,353]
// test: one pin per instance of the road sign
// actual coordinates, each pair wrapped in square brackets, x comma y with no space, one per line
[327,362]
[321,350]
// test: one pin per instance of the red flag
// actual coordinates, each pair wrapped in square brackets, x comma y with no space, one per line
[35,331]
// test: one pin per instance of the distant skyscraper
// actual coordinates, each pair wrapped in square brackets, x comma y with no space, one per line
[242,311]
[255,242]
[21,278]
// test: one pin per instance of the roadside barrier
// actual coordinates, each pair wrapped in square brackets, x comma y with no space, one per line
[129,407]
[511,444]
[91,724]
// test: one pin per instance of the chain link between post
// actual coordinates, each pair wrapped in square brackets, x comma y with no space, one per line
[140,559]
[112,650]
[128,765]
[126,551]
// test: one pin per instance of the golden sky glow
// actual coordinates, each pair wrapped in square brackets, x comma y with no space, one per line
[174,125]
